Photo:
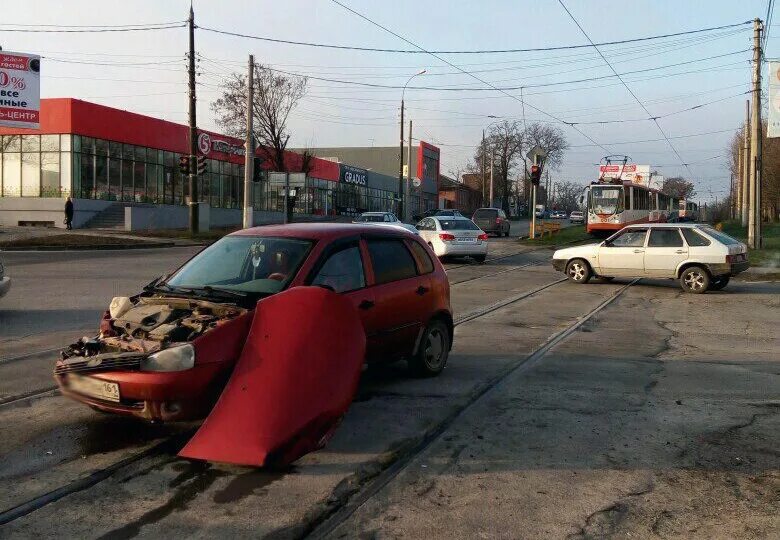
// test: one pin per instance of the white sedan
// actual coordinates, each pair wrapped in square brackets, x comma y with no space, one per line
[454,236]
[699,256]
[384,218]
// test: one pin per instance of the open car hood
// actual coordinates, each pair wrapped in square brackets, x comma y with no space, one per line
[295,378]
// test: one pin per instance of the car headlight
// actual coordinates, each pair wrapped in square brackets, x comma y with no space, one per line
[173,359]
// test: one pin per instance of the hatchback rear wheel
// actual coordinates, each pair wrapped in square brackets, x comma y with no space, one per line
[431,356]
[695,280]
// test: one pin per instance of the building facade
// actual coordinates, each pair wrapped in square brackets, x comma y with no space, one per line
[101,156]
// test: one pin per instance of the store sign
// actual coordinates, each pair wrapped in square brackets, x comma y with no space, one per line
[354,175]
[206,144]
[20,90]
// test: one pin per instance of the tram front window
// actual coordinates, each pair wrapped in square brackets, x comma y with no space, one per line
[607,200]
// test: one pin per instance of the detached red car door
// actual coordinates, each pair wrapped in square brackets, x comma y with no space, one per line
[402,297]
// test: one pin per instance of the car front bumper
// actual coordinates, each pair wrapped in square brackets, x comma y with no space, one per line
[157,396]
[5,285]
[559,264]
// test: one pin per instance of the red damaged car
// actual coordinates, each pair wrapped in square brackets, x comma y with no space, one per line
[279,299]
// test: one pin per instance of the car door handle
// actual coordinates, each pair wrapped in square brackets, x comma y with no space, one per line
[366,304]
[422,290]
[639,251]
[680,251]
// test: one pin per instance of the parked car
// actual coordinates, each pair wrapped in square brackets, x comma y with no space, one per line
[383,218]
[166,353]
[577,217]
[448,213]
[5,281]
[454,236]
[558,214]
[492,220]
[699,256]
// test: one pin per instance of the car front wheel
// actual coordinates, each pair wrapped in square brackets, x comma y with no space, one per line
[431,356]
[578,271]
[695,280]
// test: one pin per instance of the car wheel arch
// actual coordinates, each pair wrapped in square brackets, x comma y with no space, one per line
[440,315]
[687,264]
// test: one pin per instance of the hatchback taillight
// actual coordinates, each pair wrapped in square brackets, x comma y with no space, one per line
[730,259]
[446,237]
[482,236]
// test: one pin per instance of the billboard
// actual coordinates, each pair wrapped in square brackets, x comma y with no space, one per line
[428,159]
[630,172]
[773,122]
[20,90]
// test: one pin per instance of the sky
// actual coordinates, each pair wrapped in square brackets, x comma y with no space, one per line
[145,72]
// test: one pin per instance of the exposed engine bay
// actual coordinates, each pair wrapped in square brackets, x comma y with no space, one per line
[137,327]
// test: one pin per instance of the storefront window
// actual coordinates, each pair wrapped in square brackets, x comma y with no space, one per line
[50,143]
[65,169]
[87,176]
[31,174]
[101,147]
[87,145]
[101,177]
[12,143]
[114,178]
[139,180]
[50,174]
[12,174]
[115,149]
[151,183]
[127,180]
[31,143]
[140,153]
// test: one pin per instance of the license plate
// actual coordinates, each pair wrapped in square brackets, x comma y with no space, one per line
[94,387]
[466,239]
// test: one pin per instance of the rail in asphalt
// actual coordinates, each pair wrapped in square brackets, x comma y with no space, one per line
[327,524]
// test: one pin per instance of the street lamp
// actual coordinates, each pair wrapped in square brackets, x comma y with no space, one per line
[401,150]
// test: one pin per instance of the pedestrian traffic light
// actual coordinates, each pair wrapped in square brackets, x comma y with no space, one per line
[184,165]
[536,174]
[201,166]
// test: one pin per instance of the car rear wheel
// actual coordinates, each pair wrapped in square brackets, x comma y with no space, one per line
[719,283]
[431,356]
[578,271]
[695,280]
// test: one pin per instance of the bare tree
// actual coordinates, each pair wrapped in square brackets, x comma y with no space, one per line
[275,96]
[678,187]
[567,195]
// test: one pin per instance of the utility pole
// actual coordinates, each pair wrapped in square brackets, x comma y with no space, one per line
[754,215]
[407,210]
[401,166]
[192,177]
[483,167]
[739,185]
[746,167]
[249,157]
[490,191]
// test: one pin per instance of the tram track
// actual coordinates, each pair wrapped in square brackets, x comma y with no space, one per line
[332,519]
[338,515]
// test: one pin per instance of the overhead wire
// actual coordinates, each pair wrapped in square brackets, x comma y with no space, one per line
[485,51]
[655,119]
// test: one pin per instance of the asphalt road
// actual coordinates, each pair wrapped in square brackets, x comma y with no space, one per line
[656,416]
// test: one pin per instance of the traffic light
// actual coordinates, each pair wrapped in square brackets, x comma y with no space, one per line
[536,174]
[201,165]
[184,165]
[257,170]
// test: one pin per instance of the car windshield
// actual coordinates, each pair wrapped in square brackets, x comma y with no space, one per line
[457,225]
[485,213]
[245,264]
[721,237]
[607,200]
[371,218]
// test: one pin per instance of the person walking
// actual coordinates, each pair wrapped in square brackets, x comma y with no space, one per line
[69,214]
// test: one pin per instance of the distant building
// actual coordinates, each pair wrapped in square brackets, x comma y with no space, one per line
[458,195]
[425,163]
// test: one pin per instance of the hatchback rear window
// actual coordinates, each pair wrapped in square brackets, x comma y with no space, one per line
[485,214]
[721,237]
[391,260]
[693,238]
[457,225]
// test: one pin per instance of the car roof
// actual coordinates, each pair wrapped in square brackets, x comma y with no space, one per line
[687,225]
[375,213]
[452,218]
[317,231]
